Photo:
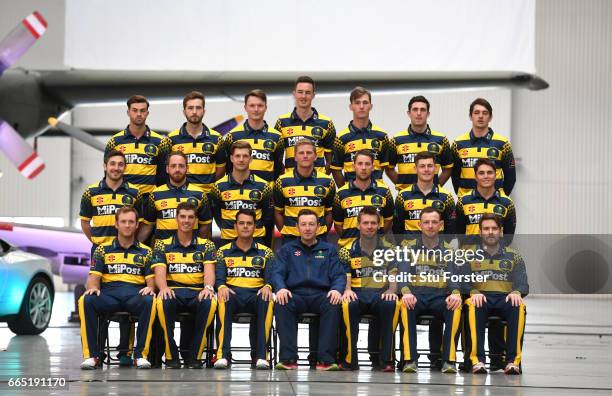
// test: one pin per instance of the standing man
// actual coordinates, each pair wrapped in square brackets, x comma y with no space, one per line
[199,143]
[417,138]
[424,193]
[185,275]
[303,187]
[307,276]
[368,291]
[141,146]
[243,285]
[360,135]
[500,294]
[357,194]
[482,142]
[266,143]
[163,201]
[485,198]
[305,122]
[430,292]
[238,190]
[99,204]
[120,279]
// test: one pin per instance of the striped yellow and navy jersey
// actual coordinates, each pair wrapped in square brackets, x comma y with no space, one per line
[292,193]
[406,144]
[364,271]
[349,201]
[468,148]
[204,154]
[99,203]
[245,269]
[119,266]
[472,206]
[228,196]
[431,269]
[411,201]
[351,140]
[318,128]
[184,264]
[267,149]
[505,272]
[144,157]
[160,207]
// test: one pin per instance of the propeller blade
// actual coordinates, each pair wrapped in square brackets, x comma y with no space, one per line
[228,125]
[20,39]
[77,133]
[19,152]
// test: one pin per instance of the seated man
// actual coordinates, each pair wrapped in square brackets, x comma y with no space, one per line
[185,274]
[120,279]
[500,294]
[431,291]
[308,276]
[368,291]
[242,280]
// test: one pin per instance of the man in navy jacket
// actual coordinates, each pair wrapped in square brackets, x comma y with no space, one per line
[307,276]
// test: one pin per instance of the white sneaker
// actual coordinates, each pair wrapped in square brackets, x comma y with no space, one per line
[221,364]
[142,363]
[262,364]
[90,364]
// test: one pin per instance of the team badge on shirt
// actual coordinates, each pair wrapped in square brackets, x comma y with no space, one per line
[257,262]
[150,149]
[297,253]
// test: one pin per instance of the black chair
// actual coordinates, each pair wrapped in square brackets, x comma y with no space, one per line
[247,318]
[102,336]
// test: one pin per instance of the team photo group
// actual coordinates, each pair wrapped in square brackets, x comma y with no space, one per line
[303,211]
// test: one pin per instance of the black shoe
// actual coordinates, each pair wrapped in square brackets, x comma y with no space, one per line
[194,364]
[173,364]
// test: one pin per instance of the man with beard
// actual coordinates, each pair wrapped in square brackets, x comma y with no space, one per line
[500,294]
[144,155]
[99,204]
[160,208]
[361,192]
[200,144]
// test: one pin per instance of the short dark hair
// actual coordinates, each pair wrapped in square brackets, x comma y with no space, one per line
[430,209]
[125,209]
[248,212]
[424,155]
[368,210]
[137,99]
[240,144]
[358,92]
[185,206]
[490,216]
[304,79]
[258,93]
[366,152]
[484,161]
[306,212]
[113,153]
[193,95]
[419,99]
[176,152]
[482,102]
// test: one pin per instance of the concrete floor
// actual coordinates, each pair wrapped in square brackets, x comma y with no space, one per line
[568,350]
